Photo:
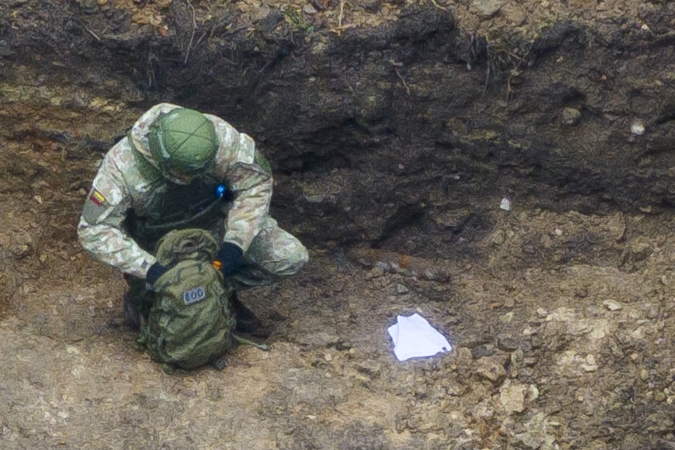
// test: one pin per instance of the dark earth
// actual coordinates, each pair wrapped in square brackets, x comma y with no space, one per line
[395,130]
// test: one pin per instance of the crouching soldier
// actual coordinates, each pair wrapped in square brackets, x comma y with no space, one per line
[178,169]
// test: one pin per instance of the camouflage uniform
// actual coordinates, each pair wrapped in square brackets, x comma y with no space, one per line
[130,183]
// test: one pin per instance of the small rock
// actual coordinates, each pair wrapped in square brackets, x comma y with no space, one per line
[507,318]
[531,361]
[400,289]
[498,237]
[308,9]
[565,358]
[529,331]
[260,14]
[486,8]
[612,305]
[320,339]
[590,365]
[600,330]
[637,128]
[517,359]
[491,369]
[507,342]
[482,351]
[512,398]
[375,272]
[453,219]
[617,226]
[482,410]
[513,13]
[21,250]
[571,116]
[314,198]
[463,356]
[505,204]
[536,434]
[532,393]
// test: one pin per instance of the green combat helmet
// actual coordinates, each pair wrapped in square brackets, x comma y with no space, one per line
[182,142]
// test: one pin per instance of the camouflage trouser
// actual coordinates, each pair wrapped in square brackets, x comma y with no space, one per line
[274,253]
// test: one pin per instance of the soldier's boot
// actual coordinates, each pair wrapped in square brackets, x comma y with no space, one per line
[132,313]
[247,322]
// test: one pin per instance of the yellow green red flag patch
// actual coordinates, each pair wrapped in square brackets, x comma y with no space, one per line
[94,207]
[97,198]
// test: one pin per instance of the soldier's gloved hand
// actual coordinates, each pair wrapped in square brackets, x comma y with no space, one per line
[229,256]
[154,272]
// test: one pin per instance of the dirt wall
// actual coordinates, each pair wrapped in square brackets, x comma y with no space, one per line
[411,124]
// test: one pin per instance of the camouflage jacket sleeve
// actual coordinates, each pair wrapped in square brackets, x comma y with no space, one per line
[100,229]
[249,176]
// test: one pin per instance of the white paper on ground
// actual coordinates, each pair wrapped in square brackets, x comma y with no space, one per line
[414,337]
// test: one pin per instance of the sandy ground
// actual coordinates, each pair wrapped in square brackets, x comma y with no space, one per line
[558,344]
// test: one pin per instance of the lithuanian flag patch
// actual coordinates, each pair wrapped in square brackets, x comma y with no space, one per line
[97,198]
[94,207]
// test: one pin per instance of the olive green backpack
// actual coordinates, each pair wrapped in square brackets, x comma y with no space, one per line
[190,323]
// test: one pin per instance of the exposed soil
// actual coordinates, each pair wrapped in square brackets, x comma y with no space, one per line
[395,130]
